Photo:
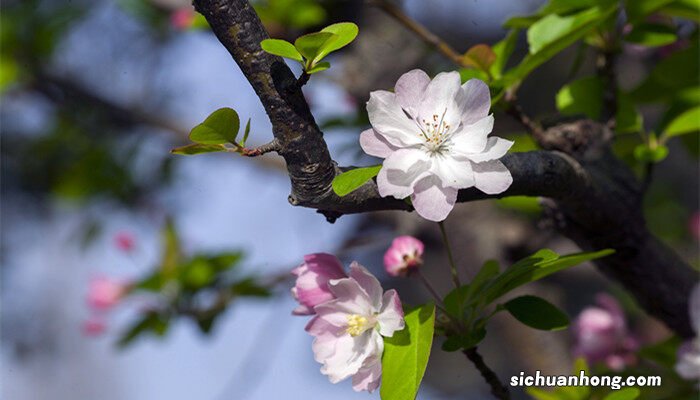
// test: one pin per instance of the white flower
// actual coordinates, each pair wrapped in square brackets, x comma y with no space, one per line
[348,330]
[433,136]
[688,360]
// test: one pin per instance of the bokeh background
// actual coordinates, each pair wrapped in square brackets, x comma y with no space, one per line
[94,95]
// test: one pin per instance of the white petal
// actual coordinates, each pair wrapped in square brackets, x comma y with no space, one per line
[474,101]
[369,376]
[350,353]
[453,172]
[409,89]
[432,201]
[472,138]
[439,102]
[369,283]
[375,144]
[390,317]
[400,171]
[389,120]
[492,177]
[495,149]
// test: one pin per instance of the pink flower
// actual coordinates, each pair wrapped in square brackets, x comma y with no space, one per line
[182,18]
[311,287]
[433,137]
[688,357]
[93,327]
[124,241]
[403,255]
[104,293]
[349,329]
[694,225]
[601,335]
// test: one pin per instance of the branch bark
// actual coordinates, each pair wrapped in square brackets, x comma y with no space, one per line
[596,198]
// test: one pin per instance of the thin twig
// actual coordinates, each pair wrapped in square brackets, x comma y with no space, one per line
[647,177]
[514,110]
[303,79]
[427,36]
[453,266]
[431,289]
[498,389]
[271,146]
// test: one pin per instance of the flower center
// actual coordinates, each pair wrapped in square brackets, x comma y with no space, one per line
[435,132]
[357,324]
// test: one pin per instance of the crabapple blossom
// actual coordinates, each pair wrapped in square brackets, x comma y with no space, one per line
[688,359]
[349,329]
[93,326]
[124,241]
[602,336]
[311,287]
[403,255]
[433,136]
[104,292]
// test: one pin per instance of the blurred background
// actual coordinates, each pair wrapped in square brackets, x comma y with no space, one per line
[95,93]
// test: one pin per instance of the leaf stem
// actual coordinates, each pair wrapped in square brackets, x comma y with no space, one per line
[453,266]
[498,389]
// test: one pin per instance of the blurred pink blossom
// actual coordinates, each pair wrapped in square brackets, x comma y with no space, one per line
[688,357]
[694,225]
[124,241]
[403,255]
[93,326]
[601,335]
[182,18]
[104,292]
[311,287]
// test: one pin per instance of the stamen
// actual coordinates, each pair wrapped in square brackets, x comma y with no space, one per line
[356,325]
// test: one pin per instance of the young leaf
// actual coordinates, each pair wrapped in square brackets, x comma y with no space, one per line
[582,96]
[673,74]
[345,32]
[322,66]
[628,119]
[652,35]
[219,127]
[629,393]
[646,154]
[348,181]
[537,313]
[406,355]
[687,122]
[480,56]
[281,48]
[197,148]
[503,50]
[246,132]
[310,45]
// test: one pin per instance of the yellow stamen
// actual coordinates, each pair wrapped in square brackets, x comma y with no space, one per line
[356,324]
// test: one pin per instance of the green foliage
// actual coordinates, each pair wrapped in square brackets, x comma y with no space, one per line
[503,49]
[677,72]
[349,181]
[582,96]
[652,35]
[220,127]
[629,393]
[537,313]
[312,48]
[297,14]
[565,392]
[687,122]
[196,148]
[151,323]
[406,354]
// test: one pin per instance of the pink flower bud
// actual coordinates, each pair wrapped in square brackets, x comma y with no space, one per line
[104,293]
[124,241]
[311,287]
[93,327]
[403,255]
[182,18]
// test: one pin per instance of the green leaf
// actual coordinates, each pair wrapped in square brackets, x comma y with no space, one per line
[281,48]
[322,66]
[250,287]
[151,323]
[310,45]
[662,353]
[689,9]
[503,50]
[219,127]
[479,56]
[687,122]
[345,33]
[537,313]
[459,342]
[646,154]
[673,74]
[348,181]
[628,119]
[406,355]
[197,148]
[582,96]
[470,73]
[638,9]
[652,35]
[629,393]
[246,132]
[486,274]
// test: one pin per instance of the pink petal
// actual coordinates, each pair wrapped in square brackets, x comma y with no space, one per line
[410,88]
[474,101]
[432,201]
[390,317]
[495,149]
[492,177]
[368,283]
[369,375]
[375,144]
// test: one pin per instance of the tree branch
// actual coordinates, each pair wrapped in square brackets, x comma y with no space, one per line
[597,198]
[498,389]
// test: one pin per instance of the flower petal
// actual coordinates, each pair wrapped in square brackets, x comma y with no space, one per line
[453,172]
[495,149]
[350,354]
[474,101]
[439,93]
[375,144]
[492,177]
[369,283]
[472,138]
[432,201]
[369,375]
[389,120]
[409,89]
[390,317]
[400,170]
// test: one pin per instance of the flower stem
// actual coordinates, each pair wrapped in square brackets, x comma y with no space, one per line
[431,289]
[453,266]
[498,389]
